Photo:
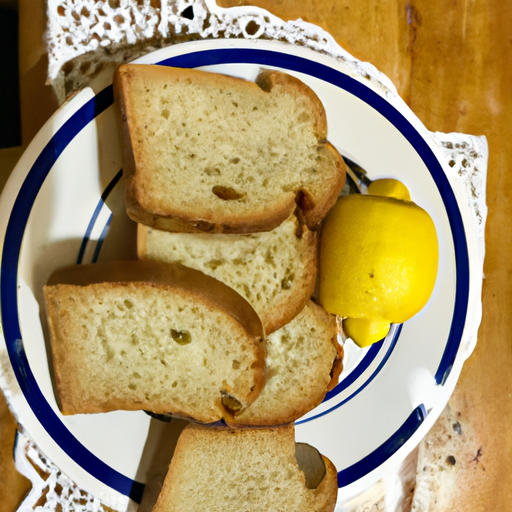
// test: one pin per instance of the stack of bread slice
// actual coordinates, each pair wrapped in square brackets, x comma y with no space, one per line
[228,181]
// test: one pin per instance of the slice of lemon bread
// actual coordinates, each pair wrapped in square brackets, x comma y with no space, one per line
[304,360]
[275,270]
[145,335]
[262,469]
[212,153]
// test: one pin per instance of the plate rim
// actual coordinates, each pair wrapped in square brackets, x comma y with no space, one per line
[224,45]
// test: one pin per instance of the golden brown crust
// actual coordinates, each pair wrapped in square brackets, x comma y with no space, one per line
[64,392]
[326,493]
[142,240]
[316,202]
[139,203]
[271,80]
[187,282]
[287,408]
[168,275]
[337,366]
[194,437]
[251,223]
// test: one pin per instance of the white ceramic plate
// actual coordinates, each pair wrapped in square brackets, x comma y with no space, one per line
[64,204]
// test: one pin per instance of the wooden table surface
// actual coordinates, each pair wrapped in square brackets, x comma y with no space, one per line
[451,60]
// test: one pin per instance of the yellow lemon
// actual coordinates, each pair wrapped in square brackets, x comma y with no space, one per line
[390,188]
[378,261]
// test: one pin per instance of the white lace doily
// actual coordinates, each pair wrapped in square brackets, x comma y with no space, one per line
[85,34]
[49,483]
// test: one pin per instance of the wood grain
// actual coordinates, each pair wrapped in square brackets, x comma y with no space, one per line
[461,81]
[13,486]
[38,101]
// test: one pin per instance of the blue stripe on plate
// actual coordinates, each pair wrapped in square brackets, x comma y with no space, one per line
[39,171]
[373,460]
[9,303]
[101,239]
[95,215]
[357,372]
[363,386]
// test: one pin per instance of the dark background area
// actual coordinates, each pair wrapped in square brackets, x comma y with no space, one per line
[10,122]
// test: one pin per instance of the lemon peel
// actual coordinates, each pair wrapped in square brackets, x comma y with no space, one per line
[389,187]
[378,261]
[365,332]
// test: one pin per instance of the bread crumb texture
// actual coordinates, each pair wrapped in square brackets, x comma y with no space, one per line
[275,270]
[241,470]
[300,357]
[137,346]
[222,150]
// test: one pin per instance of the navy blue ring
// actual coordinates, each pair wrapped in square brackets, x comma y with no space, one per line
[381,454]
[56,145]
[9,302]
[364,385]
[94,218]
[357,371]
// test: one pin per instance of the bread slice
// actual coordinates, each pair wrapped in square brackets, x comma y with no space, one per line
[275,270]
[205,152]
[250,470]
[304,361]
[153,336]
